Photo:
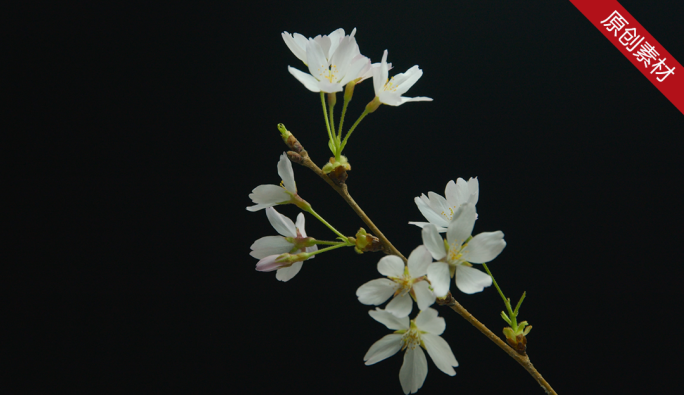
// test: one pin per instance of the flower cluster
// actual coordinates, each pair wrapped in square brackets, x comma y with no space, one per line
[334,64]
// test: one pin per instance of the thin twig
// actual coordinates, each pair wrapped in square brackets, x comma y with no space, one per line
[523,360]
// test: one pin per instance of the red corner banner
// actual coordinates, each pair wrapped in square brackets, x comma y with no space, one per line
[630,38]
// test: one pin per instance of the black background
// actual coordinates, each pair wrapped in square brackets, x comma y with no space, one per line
[136,132]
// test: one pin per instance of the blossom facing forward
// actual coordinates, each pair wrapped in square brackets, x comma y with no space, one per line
[329,72]
[439,210]
[456,254]
[404,282]
[390,91]
[424,331]
[293,239]
[269,195]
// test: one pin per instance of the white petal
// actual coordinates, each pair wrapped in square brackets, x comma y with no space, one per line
[484,247]
[298,50]
[433,242]
[318,63]
[267,196]
[422,225]
[376,291]
[355,70]
[380,75]
[281,223]
[439,205]
[383,348]
[474,187]
[343,56]
[309,82]
[400,305]
[424,297]
[270,245]
[413,371]
[300,224]
[438,274]
[461,225]
[470,280]
[389,98]
[391,266]
[451,194]
[411,76]
[286,273]
[286,173]
[390,320]
[268,264]
[440,352]
[462,191]
[429,322]
[430,214]
[418,261]
[404,99]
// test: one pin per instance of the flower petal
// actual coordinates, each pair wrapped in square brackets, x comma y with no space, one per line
[281,223]
[287,174]
[418,261]
[391,266]
[430,214]
[400,305]
[440,352]
[484,247]
[383,349]
[380,75]
[413,371]
[270,245]
[408,79]
[424,297]
[433,241]
[300,224]
[474,188]
[429,322]
[440,205]
[376,291]
[470,280]
[267,196]
[461,225]
[286,273]
[389,320]
[295,44]
[268,264]
[307,79]
[438,274]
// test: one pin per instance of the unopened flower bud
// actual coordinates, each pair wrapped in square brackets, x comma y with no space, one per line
[366,242]
[518,341]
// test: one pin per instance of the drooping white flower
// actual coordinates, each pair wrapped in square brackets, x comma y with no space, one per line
[410,336]
[456,254]
[438,210]
[389,91]
[270,195]
[330,74]
[404,282]
[297,43]
[293,240]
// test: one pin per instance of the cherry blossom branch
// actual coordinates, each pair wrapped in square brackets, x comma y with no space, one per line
[523,360]
[302,157]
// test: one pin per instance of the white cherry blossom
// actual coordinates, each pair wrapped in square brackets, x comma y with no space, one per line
[270,195]
[329,72]
[404,282]
[297,43]
[293,240]
[456,254]
[439,210]
[389,91]
[410,336]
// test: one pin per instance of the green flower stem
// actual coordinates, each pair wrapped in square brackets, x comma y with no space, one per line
[366,112]
[328,249]
[311,211]
[507,302]
[323,242]
[344,112]
[325,114]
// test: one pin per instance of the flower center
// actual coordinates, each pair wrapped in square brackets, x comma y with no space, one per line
[450,214]
[328,72]
[411,338]
[390,85]
[455,256]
